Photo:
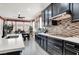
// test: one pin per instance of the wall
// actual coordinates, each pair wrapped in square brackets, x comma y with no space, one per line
[65,28]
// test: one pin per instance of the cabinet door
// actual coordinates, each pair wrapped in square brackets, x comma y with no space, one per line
[46,17]
[69,52]
[38,39]
[43,18]
[50,14]
[75,10]
[55,9]
[42,41]
[54,46]
[70,48]
[54,49]
[56,41]
[63,7]
[59,8]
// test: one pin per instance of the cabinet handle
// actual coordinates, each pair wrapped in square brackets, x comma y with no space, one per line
[56,47]
[70,45]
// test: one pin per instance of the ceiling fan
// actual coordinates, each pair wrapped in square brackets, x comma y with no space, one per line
[19,16]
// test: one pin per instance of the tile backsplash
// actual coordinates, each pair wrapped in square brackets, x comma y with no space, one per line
[65,28]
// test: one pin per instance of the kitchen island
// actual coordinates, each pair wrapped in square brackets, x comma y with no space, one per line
[58,45]
[11,43]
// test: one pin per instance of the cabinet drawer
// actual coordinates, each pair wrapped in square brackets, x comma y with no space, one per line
[54,40]
[54,44]
[55,47]
[71,48]
[72,45]
[69,52]
[54,50]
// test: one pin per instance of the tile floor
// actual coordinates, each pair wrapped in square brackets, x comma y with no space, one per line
[32,48]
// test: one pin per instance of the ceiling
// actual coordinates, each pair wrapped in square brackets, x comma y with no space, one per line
[27,10]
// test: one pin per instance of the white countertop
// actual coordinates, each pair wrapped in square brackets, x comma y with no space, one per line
[71,39]
[12,44]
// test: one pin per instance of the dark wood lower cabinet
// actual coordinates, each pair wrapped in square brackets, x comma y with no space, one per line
[55,46]
[38,39]
[41,41]
[71,48]
[54,50]
[69,52]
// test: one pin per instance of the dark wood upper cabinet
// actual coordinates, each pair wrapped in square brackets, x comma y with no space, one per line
[63,7]
[47,15]
[55,9]
[52,10]
[50,14]
[75,11]
[43,18]
[59,8]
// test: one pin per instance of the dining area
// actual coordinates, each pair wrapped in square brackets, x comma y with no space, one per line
[24,34]
[17,26]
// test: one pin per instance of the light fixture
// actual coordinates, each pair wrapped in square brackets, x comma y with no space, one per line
[19,15]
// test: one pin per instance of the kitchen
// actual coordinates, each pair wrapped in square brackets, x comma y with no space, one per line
[61,22]
[54,29]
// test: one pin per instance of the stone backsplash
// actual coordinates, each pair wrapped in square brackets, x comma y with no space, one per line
[65,28]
